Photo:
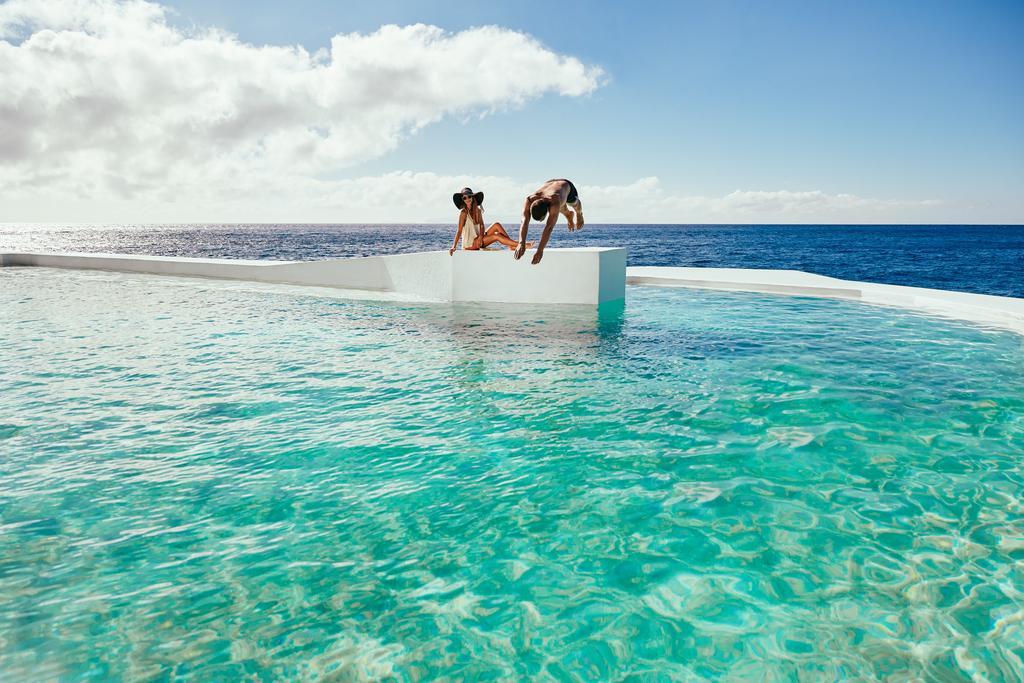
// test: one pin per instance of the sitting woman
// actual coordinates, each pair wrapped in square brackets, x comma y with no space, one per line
[471,222]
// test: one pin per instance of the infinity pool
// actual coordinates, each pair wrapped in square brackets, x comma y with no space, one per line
[226,481]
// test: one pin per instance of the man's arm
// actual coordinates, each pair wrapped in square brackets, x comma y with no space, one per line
[521,248]
[545,236]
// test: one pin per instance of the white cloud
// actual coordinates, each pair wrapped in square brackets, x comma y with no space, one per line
[410,197]
[425,196]
[109,113]
[653,203]
[103,99]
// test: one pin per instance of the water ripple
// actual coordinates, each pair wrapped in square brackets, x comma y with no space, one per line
[201,479]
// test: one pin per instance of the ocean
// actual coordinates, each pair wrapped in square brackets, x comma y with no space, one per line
[987,259]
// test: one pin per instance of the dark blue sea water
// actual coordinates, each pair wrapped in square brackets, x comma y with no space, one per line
[988,259]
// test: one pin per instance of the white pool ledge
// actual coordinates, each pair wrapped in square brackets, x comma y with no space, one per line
[587,276]
[997,311]
[590,276]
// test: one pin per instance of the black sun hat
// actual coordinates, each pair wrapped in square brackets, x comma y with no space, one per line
[460,203]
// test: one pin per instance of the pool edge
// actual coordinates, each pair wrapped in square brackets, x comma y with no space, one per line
[986,309]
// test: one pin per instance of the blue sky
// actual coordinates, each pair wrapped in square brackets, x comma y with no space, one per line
[914,106]
[880,99]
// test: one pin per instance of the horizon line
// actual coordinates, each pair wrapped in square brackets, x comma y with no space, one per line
[365,223]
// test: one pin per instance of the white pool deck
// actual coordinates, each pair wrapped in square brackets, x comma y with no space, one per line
[589,276]
[996,311]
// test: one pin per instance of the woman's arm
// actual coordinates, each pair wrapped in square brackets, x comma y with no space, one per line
[458,232]
[478,243]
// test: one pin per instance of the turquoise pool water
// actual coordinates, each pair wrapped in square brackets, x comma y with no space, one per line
[222,480]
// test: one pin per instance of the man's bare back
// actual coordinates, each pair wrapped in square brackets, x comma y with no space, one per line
[552,198]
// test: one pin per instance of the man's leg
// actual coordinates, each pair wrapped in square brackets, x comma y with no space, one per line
[569,217]
[578,206]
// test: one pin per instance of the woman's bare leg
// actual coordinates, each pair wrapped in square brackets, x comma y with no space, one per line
[491,239]
[510,243]
[496,233]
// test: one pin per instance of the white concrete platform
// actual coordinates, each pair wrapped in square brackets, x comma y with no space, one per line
[998,311]
[587,276]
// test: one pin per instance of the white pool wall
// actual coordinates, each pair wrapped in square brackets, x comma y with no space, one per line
[998,311]
[588,276]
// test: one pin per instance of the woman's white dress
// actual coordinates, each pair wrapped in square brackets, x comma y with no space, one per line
[470,231]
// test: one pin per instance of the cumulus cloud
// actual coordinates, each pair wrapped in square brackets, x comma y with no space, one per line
[644,200]
[411,197]
[105,98]
[654,203]
[109,112]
